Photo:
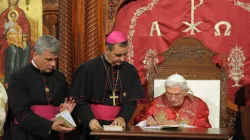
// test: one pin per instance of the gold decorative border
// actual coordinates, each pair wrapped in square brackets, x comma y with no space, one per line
[243,5]
[224,117]
[131,32]
[113,4]
[150,61]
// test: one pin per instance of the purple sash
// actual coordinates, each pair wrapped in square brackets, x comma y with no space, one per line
[46,111]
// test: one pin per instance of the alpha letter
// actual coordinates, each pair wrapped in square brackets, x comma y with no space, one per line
[155,26]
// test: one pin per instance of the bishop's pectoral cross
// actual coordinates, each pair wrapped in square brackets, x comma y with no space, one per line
[113,97]
[177,116]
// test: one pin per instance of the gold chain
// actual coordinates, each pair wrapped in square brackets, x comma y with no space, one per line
[177,113]
[114,88]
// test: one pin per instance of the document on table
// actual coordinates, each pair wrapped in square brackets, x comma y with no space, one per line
[112,128]
[167,126]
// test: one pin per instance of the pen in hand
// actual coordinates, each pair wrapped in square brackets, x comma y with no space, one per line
[151,120]
[153,117]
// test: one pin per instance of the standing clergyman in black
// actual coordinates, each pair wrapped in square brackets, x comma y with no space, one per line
[107,86]
[37,92]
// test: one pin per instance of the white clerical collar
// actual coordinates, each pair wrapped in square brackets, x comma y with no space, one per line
[33,63]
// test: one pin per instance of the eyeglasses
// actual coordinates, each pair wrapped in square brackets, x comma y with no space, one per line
[170,95]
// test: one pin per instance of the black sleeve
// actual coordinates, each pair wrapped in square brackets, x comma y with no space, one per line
[20,104]
[127,110]
[62,89]
[84,112]
[135,93]
[78,86]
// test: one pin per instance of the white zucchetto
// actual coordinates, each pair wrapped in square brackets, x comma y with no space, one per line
[176,78]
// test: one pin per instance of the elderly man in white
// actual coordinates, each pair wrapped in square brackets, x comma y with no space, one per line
[3,107]
[175,106]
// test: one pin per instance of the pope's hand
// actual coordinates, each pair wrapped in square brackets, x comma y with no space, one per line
[94,124]
[119,121]
[151,121]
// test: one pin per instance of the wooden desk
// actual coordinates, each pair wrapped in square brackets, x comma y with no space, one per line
[137,133]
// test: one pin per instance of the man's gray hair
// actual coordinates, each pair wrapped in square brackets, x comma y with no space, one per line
[176,80]
[183,85]
[47,43]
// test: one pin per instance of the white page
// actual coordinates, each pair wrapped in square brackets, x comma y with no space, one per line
[142,123]
[112,128]
[65,114]
[167,126]
[68,116]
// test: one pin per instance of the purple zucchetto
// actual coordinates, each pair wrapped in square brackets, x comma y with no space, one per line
[116,37]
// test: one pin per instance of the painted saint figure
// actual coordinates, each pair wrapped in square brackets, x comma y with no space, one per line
[14,39]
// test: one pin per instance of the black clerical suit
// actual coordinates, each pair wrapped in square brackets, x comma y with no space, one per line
[94,82]
[26,89]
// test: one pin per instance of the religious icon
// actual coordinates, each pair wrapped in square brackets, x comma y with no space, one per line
[18,31]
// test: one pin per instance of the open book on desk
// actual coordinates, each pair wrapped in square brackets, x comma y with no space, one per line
[167,126]
[66,117]
[143,124]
